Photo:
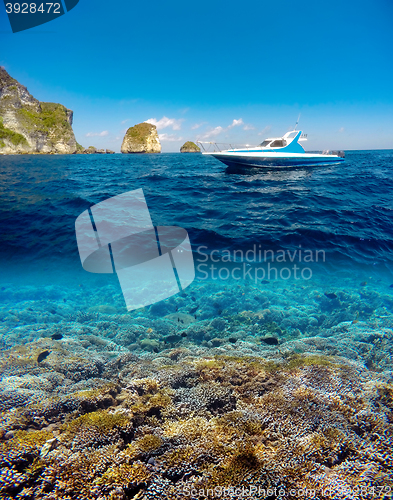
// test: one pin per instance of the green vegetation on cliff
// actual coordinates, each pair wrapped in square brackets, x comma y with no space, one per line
[139,132]
[30,126]
[53,120]
[9,135]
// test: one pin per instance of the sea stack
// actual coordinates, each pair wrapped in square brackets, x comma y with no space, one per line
[30,126]
[190,147]
[141,138]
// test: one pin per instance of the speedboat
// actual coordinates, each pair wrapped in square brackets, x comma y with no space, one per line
[276,152]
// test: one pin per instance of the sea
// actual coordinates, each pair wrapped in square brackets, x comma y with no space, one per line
[333,223]
[293,269]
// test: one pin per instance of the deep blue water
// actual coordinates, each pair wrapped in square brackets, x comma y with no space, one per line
[344,210]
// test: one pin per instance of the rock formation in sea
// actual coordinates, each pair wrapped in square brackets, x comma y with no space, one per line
[30,126]
[92,150]
[190,147]
[141,138]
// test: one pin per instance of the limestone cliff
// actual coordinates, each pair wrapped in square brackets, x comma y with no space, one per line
[190,147]
[141,138]
[30,126]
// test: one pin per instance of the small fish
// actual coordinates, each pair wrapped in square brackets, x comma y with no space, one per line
[155,349]
[56,336]
[195,316]
[177,309]
[363,283]
[232,340]
[331,296]
[193,298]
[391,286]
[194,309]
[64,300]
[270,340]
[172,339]
[178,320]
[265,282]
[355,321]
[42,356]
[184,334]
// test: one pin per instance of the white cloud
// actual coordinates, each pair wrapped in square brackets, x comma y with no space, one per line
[104,133]
[236,123]
[217,130]
[265,130]
[125,121]
[169,138]
[248,127]
[165,122]
[341,129]
[212,133]
[197,125]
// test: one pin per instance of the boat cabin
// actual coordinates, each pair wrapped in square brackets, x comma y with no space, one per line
[273,143]
[281,142]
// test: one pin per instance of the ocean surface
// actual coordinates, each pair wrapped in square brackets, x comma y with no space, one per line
[345,210]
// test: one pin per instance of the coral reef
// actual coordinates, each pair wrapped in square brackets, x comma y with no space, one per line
[214,422]
[184,399]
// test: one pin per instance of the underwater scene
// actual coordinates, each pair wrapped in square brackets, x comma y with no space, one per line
[270,376]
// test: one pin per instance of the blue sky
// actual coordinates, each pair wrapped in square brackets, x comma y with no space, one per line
[227,71]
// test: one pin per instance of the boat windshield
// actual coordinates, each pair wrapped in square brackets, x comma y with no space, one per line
[278,143]
[265,143]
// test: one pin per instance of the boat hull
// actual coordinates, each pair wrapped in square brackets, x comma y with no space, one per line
[274,160]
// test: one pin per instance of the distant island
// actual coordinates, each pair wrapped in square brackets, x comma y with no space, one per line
[28,126]
[141,138]
[190,147]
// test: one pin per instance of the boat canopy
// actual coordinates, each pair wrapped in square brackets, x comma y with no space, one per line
[289,143]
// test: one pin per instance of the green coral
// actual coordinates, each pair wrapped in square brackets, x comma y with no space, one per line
[29,439]
[298,361]
[273,329]
[150,442]
[125,475]
[101,420]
